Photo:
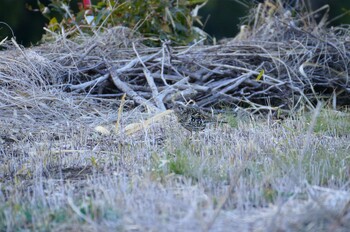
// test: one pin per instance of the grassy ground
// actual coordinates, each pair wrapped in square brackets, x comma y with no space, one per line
[251,175]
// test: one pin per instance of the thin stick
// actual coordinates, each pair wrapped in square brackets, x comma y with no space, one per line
[157,98]
[126,89]
[120,111]
[89,83]
[150,81]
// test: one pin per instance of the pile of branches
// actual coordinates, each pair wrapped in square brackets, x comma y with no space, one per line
[277,61]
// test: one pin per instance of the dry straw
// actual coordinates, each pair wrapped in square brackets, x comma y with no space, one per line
[55,168]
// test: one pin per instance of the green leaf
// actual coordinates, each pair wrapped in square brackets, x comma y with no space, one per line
[260,75]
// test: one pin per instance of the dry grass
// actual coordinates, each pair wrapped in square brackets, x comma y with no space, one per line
[64,166]
[63,175]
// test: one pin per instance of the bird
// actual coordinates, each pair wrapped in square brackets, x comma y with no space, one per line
[191,117]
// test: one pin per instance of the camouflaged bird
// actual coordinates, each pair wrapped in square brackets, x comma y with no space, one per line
[192,118]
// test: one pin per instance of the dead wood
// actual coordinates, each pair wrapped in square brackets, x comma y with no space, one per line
[301,62]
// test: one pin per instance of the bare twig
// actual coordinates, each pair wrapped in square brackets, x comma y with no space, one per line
[150,81]
[126,89]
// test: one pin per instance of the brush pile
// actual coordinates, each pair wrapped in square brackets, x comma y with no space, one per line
[282,59]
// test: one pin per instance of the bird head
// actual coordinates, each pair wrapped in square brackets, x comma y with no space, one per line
[178,108]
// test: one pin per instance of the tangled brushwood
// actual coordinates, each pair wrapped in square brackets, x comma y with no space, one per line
[283,59]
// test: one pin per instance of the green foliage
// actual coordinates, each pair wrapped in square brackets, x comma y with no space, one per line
[185,160]
[332,123]
[269,193]
[179,165]
[157,20]
[232,120]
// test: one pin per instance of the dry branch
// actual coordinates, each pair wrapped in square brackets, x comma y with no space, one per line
[302,63]
[126,89]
